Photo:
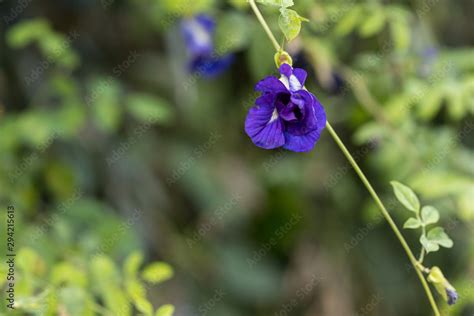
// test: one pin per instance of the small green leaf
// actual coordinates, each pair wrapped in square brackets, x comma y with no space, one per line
[66,273]
[373,24]
[429,215]
[400,34]
[277,3]
[23,33]
[165,310]
[438,236]
[412,223]
[233,33]
[149,108]
[290,23]
[429,245]
[132,264]
[431,104]
[135,289]
[104,101]
[455,102]
[75,301]
[406,196]
[349,22]
[157,272]
[143,305]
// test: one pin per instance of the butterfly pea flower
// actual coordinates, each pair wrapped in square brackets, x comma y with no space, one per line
[286,114]
[442,285]
[198,33]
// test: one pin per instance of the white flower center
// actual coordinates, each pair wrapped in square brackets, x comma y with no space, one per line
[292,83]
[274,116]
[201,36]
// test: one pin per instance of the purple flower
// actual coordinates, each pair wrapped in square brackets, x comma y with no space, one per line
[198,34]
[286,114]
[452,295]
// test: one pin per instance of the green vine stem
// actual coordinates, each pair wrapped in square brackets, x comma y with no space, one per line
[417,266]
[387,216]
[265,26]
[423,232]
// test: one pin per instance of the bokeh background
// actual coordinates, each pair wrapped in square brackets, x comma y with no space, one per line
[135,185]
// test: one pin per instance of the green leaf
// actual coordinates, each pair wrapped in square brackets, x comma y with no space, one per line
[179,8]
[436,237]
[41,123]
[29,261]
[143,305]
[412,223]
[165,310]
[105,103]
[429,215]
[429,245]
[439,236]
[233,33]
[137,293]
[373,24]
[455,102]
[132,264]
[277,3]
[23,33]
[349,22]
[369,132]
[400,34]
[431,103]
[108,280]
[290,23]
[157,272]
[406,196]
[66,273]
[75,301]
[149,108]
[135,289]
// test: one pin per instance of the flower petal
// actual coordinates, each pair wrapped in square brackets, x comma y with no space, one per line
[309,106]
[206,21]
[288,78]
[301,143]
[209,65]
[296,141]
[286,70]
[197,33]
[300,74]
[452,296]
[270,84]
[263,125]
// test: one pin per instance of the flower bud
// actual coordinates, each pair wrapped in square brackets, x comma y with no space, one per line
[447,291]
[282,57]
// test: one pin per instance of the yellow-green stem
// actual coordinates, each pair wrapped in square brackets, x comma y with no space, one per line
[264,25]
[386,214]
[362,177]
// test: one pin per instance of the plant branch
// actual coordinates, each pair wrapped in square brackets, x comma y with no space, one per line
[423,232]
[264,25]
[363,178]
[386,214]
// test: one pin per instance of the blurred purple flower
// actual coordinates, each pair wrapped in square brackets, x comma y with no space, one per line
[286,114]
[198,32]
[452,295]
